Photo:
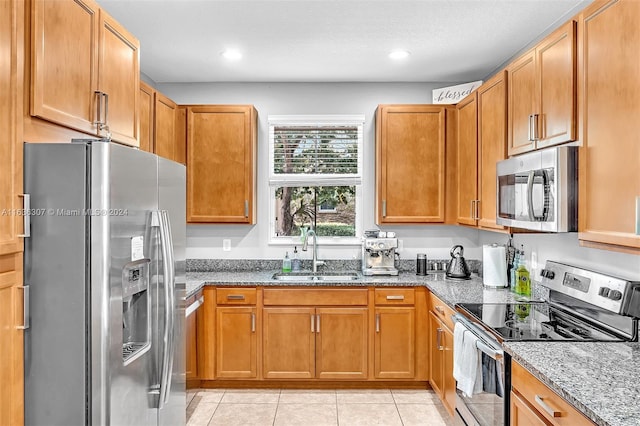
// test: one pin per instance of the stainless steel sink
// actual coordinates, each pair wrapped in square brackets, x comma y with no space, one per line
[318,276]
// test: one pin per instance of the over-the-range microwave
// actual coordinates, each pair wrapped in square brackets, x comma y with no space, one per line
[539,190]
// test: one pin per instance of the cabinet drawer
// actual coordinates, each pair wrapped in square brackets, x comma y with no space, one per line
[546,402]
[394,296]
[236,296]
[314,297]
[441,310]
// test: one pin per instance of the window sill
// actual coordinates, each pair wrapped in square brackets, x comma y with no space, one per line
[322,241]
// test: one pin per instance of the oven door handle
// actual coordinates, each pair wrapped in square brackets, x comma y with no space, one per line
[482,344]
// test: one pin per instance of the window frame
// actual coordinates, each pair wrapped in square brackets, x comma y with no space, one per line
[274,182]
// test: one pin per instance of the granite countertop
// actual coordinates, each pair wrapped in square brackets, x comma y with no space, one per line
[600,379]
[449,290]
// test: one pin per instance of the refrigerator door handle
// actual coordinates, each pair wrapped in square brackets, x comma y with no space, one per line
[166,274]
[169,287]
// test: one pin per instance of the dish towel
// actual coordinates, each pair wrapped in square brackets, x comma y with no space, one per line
[467,362]
[491,376]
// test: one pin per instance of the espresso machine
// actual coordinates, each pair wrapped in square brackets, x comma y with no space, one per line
[379,255]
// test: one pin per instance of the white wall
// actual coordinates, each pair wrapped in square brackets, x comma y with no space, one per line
[250,242]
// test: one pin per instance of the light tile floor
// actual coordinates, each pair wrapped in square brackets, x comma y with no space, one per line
[258,407]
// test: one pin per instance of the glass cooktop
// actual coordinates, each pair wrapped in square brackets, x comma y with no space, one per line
[533,321]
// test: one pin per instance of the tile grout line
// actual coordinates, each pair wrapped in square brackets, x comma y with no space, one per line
[395,403]
[217,406]
[275,415]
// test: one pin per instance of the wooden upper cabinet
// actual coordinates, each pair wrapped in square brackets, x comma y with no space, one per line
[609,158]
[542,93]
[119,79]
[164,127]
[410,164]
[11,70]
[492,145]
[467,160]
[482,142]
[78,50]
[146,117]
[180,147]
[221,142]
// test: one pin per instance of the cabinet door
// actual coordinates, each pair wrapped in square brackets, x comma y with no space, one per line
[146,117]
[523,103]
[609,158]
[221,157]
[449,383]
[522,415]
[436,347]
[164,127]
[410,172]
[556,62]
[180,150]
[236,342]
[119,78]
[11,338]
[492,144]
[11,70]
[395,350]
[341,343]
[191,329]
[288,343]
[467,160]
[65,62]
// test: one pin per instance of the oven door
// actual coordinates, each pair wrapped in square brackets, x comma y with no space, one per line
[490,407]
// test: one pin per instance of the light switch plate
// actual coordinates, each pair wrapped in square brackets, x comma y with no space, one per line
[226,245]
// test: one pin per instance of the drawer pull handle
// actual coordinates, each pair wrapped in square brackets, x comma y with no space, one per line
[440,310]
[545,406]
[395,297]
[439,339]
[235,297]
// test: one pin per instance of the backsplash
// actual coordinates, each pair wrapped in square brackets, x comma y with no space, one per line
[247,265]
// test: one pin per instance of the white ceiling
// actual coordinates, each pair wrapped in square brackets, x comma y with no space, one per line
[332,40]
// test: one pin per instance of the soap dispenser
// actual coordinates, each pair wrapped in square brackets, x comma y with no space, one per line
[286,263]
[295,262]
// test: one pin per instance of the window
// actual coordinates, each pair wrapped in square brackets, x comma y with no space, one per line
[315,177]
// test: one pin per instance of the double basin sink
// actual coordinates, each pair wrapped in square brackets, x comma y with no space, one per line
[331,276]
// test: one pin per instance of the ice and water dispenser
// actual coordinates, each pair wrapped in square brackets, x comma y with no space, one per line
[136,310]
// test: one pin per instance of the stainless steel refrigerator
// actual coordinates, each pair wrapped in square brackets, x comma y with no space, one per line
[105,267]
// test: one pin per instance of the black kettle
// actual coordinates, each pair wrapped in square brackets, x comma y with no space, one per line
[458,267]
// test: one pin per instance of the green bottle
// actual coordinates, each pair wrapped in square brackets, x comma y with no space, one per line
[523,282]
[286,263]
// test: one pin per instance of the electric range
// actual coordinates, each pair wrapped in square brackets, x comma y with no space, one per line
[583,306]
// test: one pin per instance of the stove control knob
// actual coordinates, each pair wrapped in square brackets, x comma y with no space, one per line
[546,273]
[604,291]
[615,295]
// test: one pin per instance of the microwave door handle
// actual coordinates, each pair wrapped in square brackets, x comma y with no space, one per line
[530,195]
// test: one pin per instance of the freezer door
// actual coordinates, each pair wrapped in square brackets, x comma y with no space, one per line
[123,213]
[172,202]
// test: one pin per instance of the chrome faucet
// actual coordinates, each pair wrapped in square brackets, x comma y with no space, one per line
[305,243]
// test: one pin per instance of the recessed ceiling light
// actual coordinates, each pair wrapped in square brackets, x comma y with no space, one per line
[231,54]
[399,54]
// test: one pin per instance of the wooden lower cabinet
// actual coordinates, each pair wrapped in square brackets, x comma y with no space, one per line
[533,403]
[307,343]
[236,342]
[441,361]
[341,343]
[289,342]
[522,414]
[395,343]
